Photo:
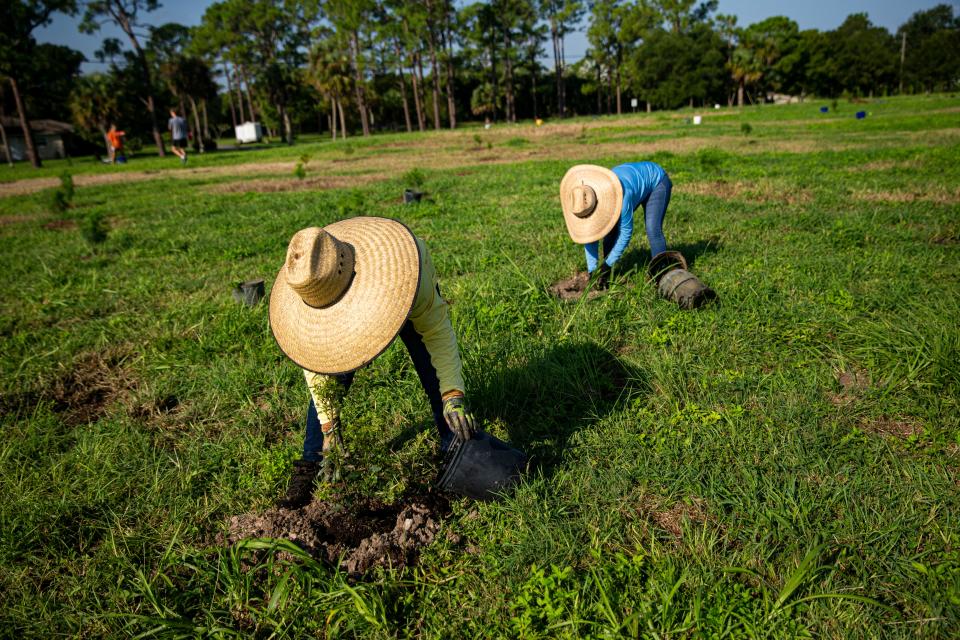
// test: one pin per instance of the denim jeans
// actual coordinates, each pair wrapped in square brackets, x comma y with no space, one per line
[654,210]
[313,441]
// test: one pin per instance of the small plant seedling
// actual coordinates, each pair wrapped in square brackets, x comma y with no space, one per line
[746,129]
[489,145]
[66,185]
[348,149]
[94,227]
[414,178]
[299,171]
[57,201]
[477,140]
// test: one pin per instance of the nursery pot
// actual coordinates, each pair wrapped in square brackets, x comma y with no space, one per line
[410,196]
[249,293]
[481,467]
[684,288]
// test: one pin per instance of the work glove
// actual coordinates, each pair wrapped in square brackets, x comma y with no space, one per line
[458,418]
[602,276]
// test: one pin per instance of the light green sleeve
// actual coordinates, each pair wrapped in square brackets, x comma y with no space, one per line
[315,382]
[431,319]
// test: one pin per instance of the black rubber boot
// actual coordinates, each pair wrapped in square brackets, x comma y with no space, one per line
[300,487]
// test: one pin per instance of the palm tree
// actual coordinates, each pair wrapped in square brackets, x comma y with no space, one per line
[329,73]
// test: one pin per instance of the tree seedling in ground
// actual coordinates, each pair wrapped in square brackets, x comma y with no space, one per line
[477,140]
[746,129]
[330,393]
[300,171]
[94,227]
[66,186]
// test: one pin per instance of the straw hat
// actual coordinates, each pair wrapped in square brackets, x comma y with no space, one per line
[591,198]
[344,292]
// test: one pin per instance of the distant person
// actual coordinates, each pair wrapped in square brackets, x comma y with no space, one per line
[178,131]
[115,138]
[599,204]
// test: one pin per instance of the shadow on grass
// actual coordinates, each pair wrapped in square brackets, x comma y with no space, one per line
[554,394]
[638,259]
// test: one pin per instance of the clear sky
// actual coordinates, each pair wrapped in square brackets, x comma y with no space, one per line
[809,14]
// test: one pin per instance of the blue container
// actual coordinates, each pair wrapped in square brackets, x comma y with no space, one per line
[861,115]
[824,109]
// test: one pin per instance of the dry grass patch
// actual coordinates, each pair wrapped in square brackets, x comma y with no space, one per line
[938,194]
[760,191]
[897,427]
[273,185]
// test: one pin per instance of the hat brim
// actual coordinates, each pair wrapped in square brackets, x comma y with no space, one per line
[609,191]
[359,326]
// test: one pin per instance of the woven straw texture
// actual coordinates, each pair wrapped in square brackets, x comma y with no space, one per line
[609,193]
[362,323]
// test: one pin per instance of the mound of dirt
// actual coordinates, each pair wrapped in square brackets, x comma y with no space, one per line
[360,537]
[573,287]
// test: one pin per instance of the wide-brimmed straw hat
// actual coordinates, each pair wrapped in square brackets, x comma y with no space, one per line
[591,198]
[344,292]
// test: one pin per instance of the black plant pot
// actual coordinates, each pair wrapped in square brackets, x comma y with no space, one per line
[249,293]
[481,468]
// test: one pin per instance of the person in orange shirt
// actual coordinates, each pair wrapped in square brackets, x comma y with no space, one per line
[116,143]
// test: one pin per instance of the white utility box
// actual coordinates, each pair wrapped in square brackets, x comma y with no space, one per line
[249,132]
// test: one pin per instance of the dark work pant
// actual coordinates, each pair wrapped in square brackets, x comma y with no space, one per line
[654,210]
[313,441]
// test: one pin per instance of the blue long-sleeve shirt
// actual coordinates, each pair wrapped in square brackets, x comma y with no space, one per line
[638,180]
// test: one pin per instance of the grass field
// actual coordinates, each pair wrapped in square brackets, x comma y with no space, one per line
[785,463]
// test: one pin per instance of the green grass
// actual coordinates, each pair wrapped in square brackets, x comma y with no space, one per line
[699,474]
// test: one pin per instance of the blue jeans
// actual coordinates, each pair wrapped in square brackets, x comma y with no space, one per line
[654,210]
[313,441]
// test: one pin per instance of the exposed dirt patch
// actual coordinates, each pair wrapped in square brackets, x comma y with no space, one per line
[671,518]
[853,381]
[358,537]
[315,183]
[59,225]
[572,288]
[84,392]
[935,193]
[764,191]
[896,427]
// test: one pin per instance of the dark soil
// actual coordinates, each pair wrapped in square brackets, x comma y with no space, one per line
[573,287]
[358,537]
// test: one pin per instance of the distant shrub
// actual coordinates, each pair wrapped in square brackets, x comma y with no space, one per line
[66,185]
[745,128]
[414,178]
[133,144]
[489,145]
[56,201]
[94,227]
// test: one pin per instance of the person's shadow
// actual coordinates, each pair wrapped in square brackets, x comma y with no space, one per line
[543,400]
[639,257]
[553,393]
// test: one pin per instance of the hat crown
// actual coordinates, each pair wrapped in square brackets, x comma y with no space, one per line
[584,200]
[319,267]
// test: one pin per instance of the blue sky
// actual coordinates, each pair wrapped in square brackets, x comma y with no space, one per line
[810,14]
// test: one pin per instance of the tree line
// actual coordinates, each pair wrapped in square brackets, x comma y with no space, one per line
[355,66]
